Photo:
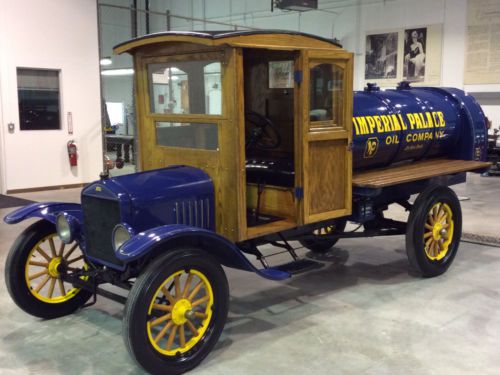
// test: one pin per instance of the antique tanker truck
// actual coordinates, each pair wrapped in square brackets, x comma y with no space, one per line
[245,139]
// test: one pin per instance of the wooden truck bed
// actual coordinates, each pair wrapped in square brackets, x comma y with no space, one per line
[408,172]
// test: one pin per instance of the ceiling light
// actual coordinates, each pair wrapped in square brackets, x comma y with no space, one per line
[117,72]
[106,61]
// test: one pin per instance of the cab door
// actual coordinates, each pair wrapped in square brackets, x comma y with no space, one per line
[325,135]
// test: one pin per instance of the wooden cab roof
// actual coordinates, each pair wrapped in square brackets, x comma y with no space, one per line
[273,39]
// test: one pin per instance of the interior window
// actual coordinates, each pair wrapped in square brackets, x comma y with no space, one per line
[326,94]
[186,87]
[38,95]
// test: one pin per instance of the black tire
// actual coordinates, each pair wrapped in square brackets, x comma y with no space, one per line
[322,245]
[138,314]
[24,294]
[423,259]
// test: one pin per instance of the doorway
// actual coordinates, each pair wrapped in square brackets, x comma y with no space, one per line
[269,92]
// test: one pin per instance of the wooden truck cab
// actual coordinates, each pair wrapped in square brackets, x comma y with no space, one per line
[196,94]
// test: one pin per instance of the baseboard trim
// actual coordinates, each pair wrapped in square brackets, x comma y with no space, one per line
[44,188]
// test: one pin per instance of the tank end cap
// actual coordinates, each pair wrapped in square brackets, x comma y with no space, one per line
[404,85]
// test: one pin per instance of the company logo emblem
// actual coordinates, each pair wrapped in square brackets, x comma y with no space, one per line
[98,188]
[371,147]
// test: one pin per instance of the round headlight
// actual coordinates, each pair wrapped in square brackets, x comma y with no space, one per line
[121,234]
[63,227]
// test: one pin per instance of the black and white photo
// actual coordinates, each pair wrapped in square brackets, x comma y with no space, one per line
[381,56]
[415,54]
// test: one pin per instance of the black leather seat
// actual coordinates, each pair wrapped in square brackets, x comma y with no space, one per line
[270,171]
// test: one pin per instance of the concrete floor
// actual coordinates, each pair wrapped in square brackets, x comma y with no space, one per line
[362,313]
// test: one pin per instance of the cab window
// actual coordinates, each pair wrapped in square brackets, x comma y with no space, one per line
[185,87]
[326,100]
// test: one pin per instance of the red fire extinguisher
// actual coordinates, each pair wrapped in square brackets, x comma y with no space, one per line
[72,154]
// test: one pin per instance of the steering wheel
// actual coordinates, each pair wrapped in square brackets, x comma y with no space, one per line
[260,132]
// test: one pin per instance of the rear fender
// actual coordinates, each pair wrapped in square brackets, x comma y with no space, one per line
[44,210]
[167,237]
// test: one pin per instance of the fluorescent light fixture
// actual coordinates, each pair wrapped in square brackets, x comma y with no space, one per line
[106,61]
[117,72]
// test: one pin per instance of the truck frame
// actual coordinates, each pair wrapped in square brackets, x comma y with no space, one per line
[218,180]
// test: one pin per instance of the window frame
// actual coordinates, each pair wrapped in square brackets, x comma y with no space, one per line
[328,124]
[59,97]
[216,56]
[151,117]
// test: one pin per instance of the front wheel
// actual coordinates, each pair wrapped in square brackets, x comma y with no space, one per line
[434,230]
[33,272]
[176,311]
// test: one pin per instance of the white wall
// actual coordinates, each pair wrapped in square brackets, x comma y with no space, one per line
[51,34]
[347,20]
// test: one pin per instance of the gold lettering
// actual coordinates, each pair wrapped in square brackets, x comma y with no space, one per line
[371,124]
[430,122]
[436,119]
[422,120]
[395,123]
[387,123]
[411,118]
[442,123]
[380,129]
[403,125]
[363,128]
[356,128]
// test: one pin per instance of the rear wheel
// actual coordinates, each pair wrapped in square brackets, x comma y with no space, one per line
[322,244]
[33,277]
[434,230]
[176,311]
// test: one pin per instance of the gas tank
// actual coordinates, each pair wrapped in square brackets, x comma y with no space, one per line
[411,123]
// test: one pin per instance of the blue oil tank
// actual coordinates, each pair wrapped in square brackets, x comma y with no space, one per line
[411,123]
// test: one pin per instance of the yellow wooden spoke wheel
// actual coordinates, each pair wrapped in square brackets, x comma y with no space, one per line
[438,231]
[43,265]
[180,312]
[33,272]
[176,311]
[433,231]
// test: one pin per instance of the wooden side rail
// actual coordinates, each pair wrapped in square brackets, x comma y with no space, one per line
[408,172]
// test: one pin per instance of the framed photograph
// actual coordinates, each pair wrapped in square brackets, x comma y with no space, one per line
[415,49]
[409,54]
[281,75]
[381,59]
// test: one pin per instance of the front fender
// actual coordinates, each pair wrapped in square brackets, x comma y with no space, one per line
[44,210]
[226,252]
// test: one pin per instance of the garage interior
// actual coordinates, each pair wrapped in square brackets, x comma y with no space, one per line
[364,312]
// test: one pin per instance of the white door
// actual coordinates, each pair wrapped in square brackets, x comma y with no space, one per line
[2,147]
[40,65]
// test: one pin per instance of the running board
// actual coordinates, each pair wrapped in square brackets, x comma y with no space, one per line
[299,266]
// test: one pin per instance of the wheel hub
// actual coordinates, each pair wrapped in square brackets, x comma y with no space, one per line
[54,266]
[438,231]
[181,311]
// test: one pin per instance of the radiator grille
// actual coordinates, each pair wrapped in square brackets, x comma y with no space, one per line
[100,217]
[195,213]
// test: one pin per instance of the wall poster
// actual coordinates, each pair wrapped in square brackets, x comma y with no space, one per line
[412,54]
[482,54]
[381,56]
